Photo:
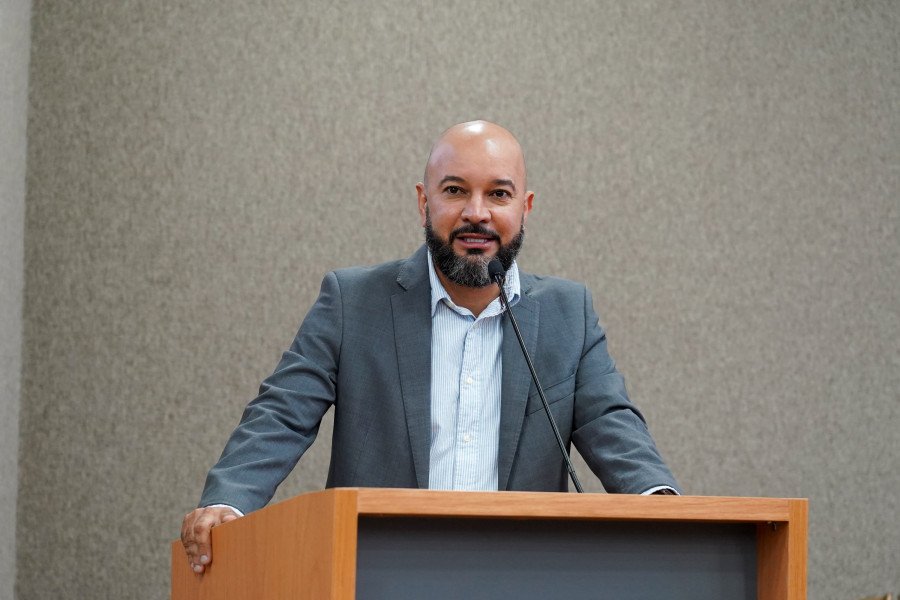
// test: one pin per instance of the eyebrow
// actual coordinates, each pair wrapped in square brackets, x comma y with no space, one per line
[452,178]
[505,182]
[497,182]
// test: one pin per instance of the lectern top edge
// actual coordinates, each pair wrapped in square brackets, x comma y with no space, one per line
[549,505]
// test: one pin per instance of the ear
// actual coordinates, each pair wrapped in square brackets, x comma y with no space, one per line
[423,200]
[529,201]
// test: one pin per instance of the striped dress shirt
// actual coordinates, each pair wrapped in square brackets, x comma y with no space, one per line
[466,371]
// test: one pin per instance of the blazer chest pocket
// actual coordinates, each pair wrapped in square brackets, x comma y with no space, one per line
[554,393]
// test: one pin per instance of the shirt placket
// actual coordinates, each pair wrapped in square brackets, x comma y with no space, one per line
[470,397]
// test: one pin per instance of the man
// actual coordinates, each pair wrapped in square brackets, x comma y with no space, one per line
[429,385]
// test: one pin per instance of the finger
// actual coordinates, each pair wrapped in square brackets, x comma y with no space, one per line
[200,531]
[194,534]
[187,534]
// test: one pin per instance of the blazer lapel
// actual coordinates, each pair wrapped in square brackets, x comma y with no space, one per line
[412,337]
[516,380]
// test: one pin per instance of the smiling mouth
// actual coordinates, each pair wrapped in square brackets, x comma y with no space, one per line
[475,240]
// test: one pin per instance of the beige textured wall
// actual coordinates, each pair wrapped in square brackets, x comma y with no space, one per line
[723,175]
[14,44]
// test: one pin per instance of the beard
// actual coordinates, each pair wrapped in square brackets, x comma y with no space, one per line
[470,270]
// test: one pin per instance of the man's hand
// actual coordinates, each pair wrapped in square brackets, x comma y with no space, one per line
[195,534]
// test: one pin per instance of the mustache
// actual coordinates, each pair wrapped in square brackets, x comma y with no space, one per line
[473,228]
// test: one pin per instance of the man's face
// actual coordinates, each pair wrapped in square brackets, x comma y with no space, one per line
[473,203]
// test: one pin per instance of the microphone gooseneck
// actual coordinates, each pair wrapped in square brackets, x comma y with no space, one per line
[498,275]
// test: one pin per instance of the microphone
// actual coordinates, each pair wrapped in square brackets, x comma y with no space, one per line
[498,275]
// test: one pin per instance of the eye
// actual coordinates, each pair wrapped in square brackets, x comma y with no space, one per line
[453,190]
[502,194]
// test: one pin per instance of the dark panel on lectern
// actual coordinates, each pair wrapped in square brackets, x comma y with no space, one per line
[438,559]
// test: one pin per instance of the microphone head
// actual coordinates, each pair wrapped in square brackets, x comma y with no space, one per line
[495,270]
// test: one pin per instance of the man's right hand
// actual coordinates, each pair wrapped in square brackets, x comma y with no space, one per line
[196,537]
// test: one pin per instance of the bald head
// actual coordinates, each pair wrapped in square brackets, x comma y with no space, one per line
[489,143]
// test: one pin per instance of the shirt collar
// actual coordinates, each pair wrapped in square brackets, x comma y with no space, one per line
[438,293]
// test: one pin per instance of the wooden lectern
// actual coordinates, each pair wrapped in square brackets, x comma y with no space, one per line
[389,543]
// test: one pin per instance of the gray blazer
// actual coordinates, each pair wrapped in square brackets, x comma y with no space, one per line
[365,349]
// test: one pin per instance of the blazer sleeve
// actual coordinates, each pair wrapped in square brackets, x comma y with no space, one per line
[280,424]
[608,429]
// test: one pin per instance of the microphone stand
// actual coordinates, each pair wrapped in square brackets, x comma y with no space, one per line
[498,275]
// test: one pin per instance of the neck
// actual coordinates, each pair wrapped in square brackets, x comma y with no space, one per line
[475,299]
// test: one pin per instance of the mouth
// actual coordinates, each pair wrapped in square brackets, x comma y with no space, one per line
[475,242]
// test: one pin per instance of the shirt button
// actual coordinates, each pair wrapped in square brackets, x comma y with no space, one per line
[467,438]
[469,380]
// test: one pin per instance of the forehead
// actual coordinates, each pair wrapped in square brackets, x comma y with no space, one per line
[476,159]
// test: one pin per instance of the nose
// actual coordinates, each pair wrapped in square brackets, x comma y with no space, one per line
[476,210]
